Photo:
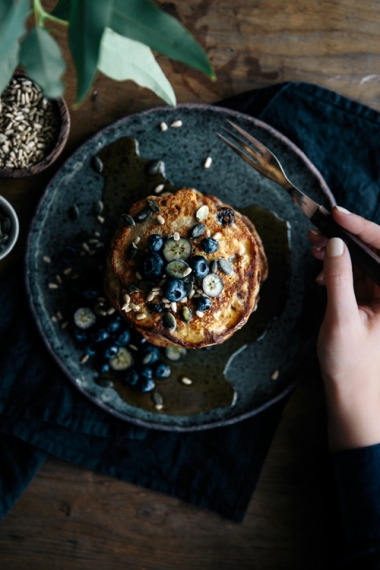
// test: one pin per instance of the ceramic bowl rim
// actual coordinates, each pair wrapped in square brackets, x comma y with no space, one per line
[14,229]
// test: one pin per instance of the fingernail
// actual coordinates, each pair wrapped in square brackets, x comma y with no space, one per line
[315,231]
[334,247]
[320,278]
[343,210]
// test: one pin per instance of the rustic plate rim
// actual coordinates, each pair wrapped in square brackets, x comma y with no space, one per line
[27,273]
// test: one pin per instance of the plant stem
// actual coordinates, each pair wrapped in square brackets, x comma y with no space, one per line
[40,15]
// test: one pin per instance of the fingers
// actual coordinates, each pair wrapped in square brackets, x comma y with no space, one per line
[337,272]
[368,232]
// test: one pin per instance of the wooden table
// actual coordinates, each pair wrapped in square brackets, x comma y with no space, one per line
[70,518]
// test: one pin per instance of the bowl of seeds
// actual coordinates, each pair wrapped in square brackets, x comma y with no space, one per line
[33,129]
[9,227]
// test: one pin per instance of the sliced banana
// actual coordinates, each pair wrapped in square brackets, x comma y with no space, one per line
[177,249]
[212,285]
[122,360]
[84,318]
[177,268]
[175,352]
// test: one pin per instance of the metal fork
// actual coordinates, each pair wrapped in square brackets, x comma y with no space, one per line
[265,162]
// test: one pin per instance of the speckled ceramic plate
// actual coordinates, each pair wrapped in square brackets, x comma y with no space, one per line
[260,372]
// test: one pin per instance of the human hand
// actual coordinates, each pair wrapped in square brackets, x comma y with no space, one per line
[349,338]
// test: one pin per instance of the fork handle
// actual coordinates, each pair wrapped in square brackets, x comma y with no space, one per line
[362,256]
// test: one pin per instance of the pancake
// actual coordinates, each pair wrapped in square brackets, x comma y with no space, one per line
[236,269]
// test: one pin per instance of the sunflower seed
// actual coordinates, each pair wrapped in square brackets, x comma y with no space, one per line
[176,124]
[176,236]
[207,163]
[275,374]
[186,381]
[160,220]
[173,306]
[46,259]
[158,189]
[140,316]
[199,314]
[164,127]
[84,358]
[100,219]
[202,213]
[137,240]
[53,286]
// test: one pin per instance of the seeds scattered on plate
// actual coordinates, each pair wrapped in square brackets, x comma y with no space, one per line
[275,374]
[186,381]
[53,286]
[158,189]
[46,259]
[207,163]
[163,126]
[176,124]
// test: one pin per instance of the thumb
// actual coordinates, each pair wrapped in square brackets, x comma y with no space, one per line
[337,269]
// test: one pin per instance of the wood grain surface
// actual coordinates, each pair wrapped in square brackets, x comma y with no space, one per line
[70,518]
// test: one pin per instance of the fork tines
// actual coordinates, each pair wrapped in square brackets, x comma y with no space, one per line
[254,154]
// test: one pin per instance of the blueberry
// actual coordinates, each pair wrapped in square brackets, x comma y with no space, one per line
[103,367]
[155,242]
[225,216]
[162,370]
[114,324]
[150,354]
[209,245]
[110,350]
[174,289]
[155,307]
[131,377]
[90,349]
[146,371]
[99,335]
[90,293]
[152,266]
[199,266]
[80,334]
[121,338]
[202,304]
[146,384]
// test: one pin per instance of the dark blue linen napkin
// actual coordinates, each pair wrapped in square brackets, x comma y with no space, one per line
[41,412]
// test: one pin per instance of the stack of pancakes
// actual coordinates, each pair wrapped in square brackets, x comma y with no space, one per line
[142,302]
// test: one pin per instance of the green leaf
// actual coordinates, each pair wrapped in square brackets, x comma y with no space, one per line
[88,20]
[62,10]
[143,21]
[7,66]
[13,14]
[122,58]
[41,56]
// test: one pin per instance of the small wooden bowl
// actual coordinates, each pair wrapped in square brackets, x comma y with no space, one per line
[63,113]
